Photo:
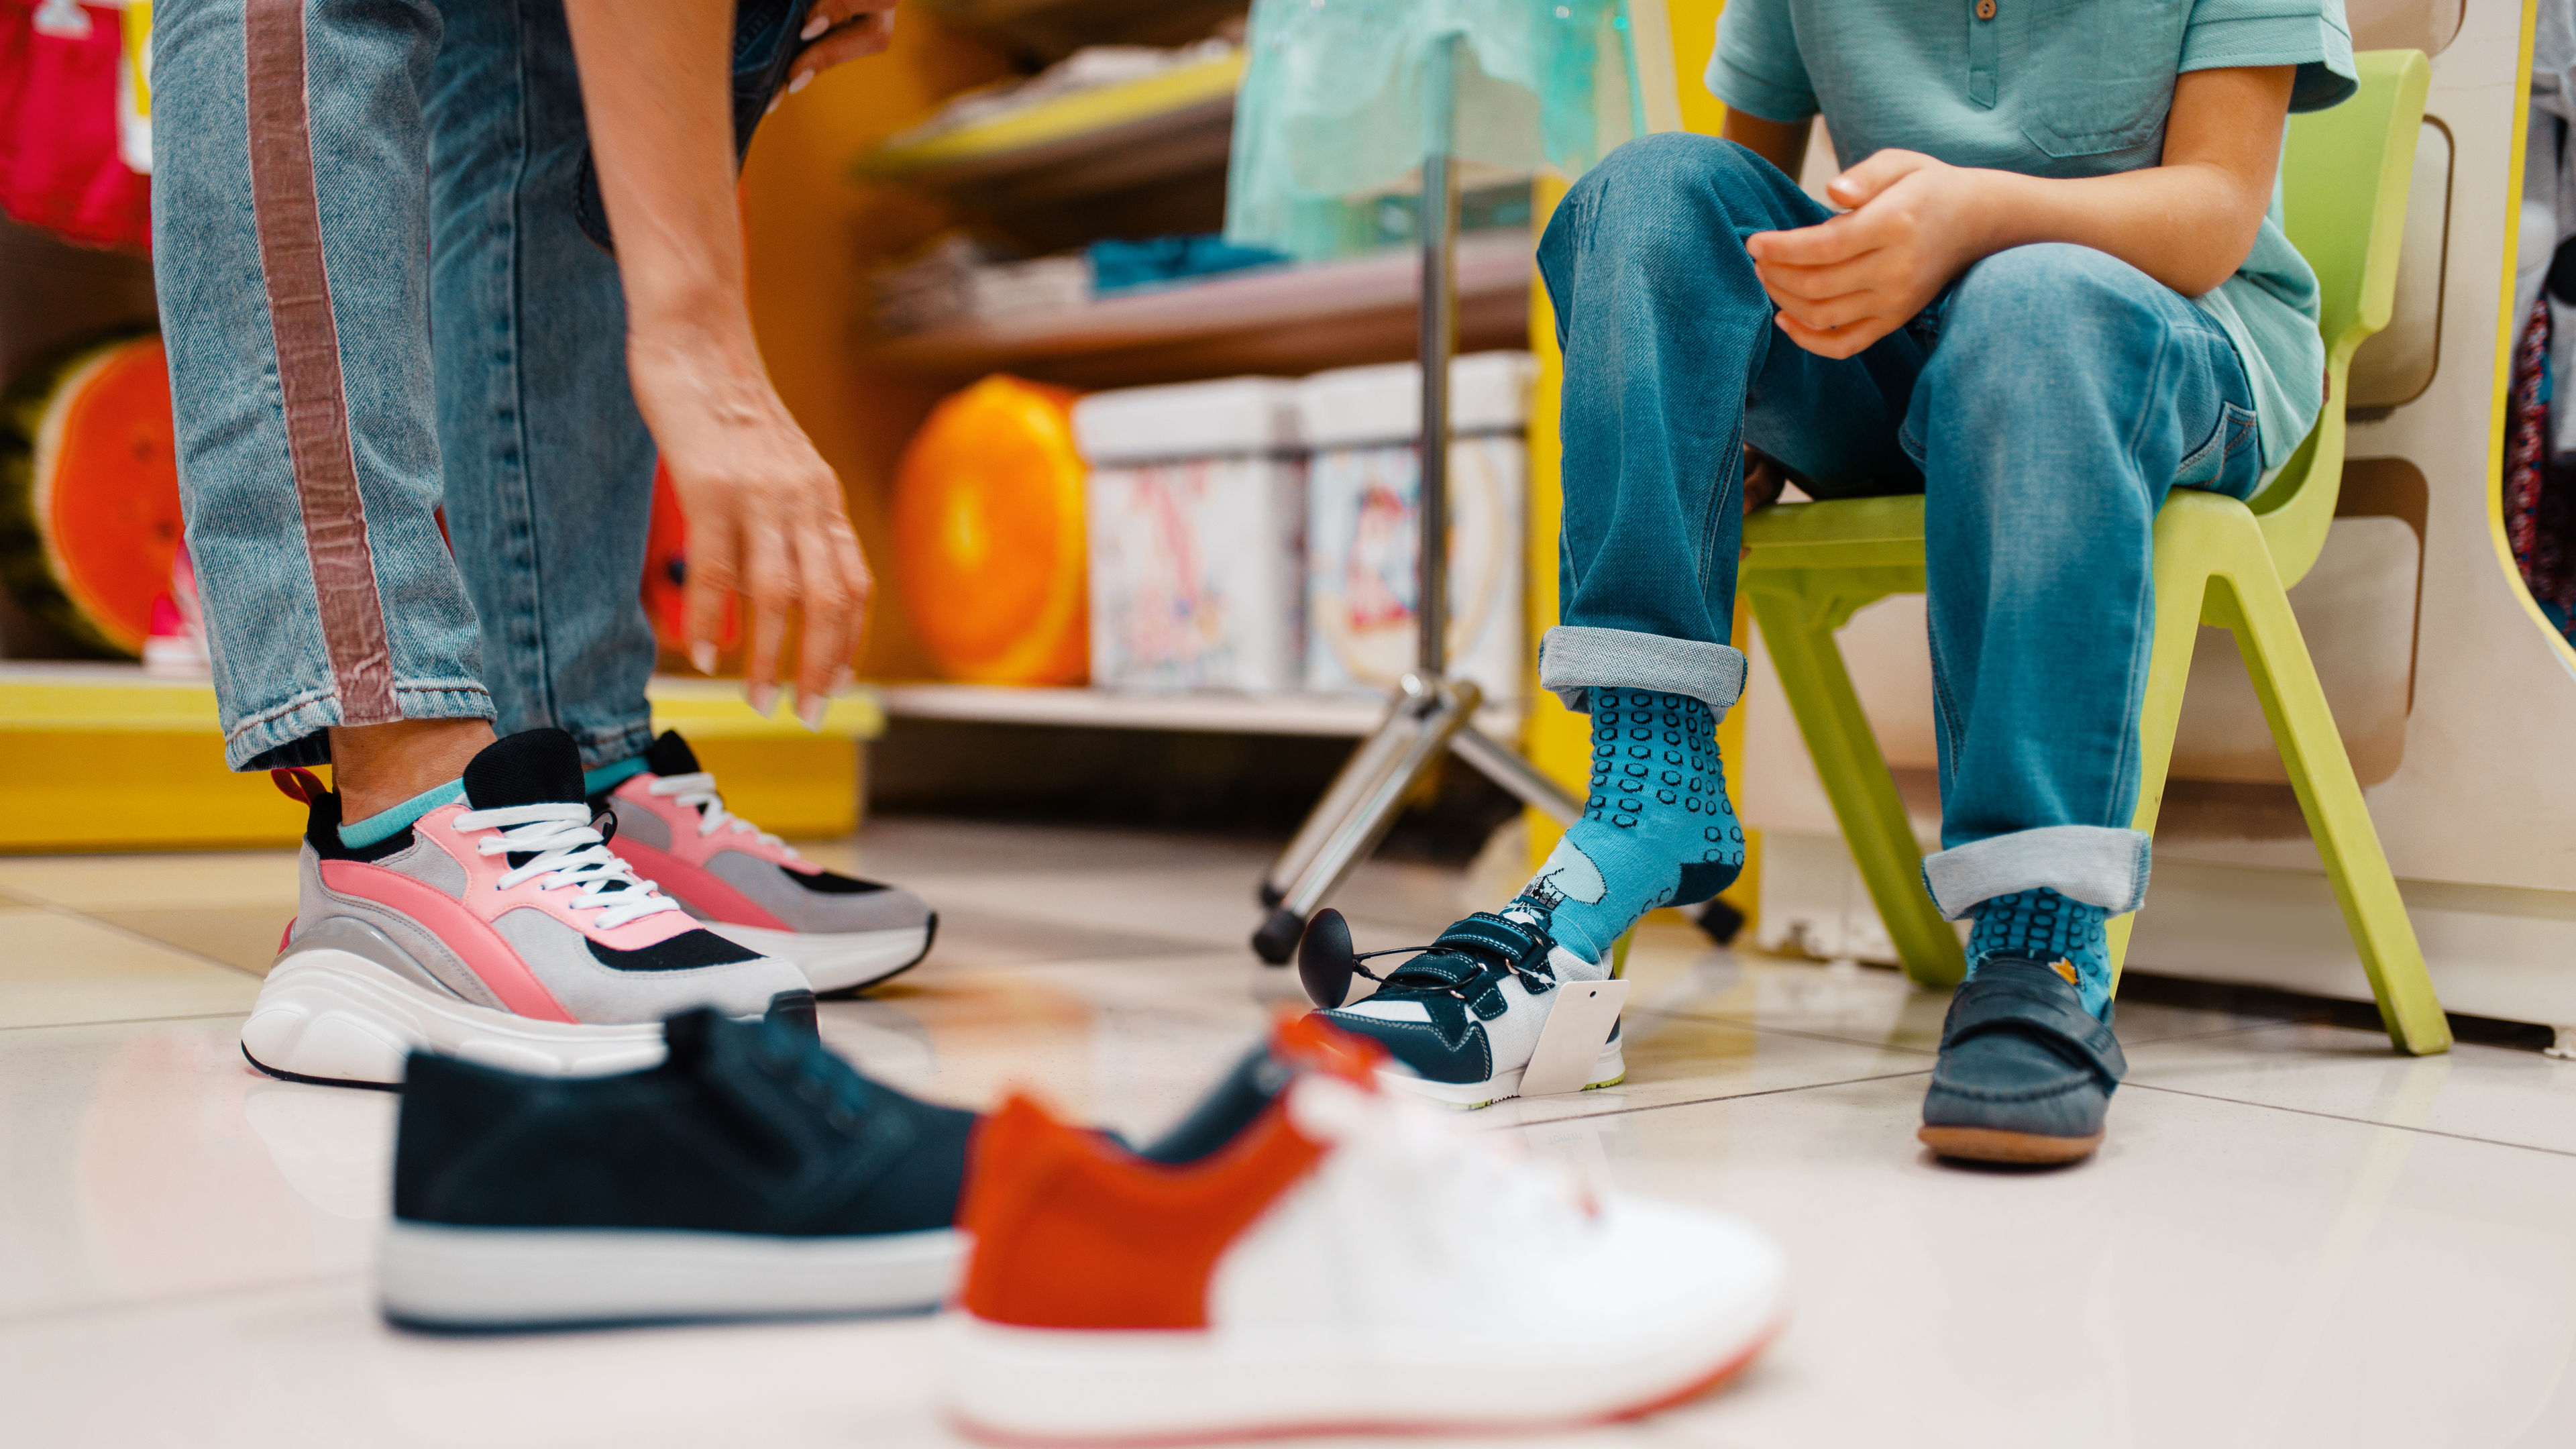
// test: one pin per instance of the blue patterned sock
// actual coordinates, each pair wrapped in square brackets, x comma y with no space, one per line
[386,824]
[1657,829]
[2041,925]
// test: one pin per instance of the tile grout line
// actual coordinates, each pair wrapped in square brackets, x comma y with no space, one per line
[56,908]
[1708,1101]
[2341,1117]
[124,1021]
[176,1300]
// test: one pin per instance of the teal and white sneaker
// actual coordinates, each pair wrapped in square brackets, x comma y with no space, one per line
[1464,1015]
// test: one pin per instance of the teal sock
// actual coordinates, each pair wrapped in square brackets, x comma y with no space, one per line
[385,824]
[1656,830]
[609,777]
[2041,925]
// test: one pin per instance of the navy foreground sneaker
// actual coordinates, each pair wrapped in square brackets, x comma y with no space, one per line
[2025,1073]
[753,1173]
[1464,1015]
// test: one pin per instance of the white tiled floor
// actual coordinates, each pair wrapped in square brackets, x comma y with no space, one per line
[2293,1237]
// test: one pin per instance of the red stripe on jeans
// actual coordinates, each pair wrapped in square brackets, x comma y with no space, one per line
[308,362]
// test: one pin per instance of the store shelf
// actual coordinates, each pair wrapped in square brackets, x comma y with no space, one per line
[1088,143]
[104,756]
[1284,320]
[1209,713]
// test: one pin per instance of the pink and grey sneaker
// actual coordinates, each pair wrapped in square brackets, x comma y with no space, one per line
[753,888]
[498,928]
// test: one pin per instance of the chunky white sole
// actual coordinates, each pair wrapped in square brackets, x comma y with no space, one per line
[1610,1069]
[844,962]
[439,1276]
[1069,1387]
[328,1015]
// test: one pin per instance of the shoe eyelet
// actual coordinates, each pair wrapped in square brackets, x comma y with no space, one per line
[812,1091]
[843,1121]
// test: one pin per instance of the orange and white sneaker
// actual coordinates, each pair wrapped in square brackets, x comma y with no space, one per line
[498,928]
[751,887]
[1310,1253]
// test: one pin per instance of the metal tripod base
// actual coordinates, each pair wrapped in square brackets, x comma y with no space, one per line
[1425,718]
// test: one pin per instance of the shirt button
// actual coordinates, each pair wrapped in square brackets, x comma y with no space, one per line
[1985,9]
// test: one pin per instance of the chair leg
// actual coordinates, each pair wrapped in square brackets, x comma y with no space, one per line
[1847,758]
[2256,608]
[2180,583]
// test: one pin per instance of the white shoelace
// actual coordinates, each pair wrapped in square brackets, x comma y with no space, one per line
[700,790]
[568,853]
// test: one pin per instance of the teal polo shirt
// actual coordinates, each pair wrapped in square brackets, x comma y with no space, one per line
[2057,88]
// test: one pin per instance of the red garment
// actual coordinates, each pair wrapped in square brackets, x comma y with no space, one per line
[59,167]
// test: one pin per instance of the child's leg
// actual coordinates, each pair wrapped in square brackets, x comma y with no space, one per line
[290,253]
[549,466]
[1671,364]
[2068,392]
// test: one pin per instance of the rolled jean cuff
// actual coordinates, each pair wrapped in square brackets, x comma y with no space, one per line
[2095,864]
[602,747]
[297,731]
[1573,659]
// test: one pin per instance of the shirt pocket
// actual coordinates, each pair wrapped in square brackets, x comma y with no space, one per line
[2097,76]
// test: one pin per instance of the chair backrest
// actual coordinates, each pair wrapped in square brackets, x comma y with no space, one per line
[2344,178]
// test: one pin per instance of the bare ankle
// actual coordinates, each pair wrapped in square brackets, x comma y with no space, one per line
[376,767]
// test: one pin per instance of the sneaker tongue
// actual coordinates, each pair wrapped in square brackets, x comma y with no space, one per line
[671,755]
[533,767]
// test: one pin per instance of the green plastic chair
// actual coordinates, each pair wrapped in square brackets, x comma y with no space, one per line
[2217,561]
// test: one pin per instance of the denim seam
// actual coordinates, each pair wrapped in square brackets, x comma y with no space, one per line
[609,746]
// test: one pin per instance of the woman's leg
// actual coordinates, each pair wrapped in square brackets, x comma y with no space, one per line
[2068,392]
[549,466]
[290,233]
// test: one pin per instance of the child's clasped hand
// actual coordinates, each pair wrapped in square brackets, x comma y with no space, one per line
[1910,225]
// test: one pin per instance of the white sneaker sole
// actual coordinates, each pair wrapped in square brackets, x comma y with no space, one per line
[1013,1385]
[439,1276]
[844,962]
[1608,1070]
[333,1016]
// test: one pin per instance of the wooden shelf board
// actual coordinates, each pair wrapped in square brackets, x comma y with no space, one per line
[1281,317]
[1208,713]
[1182,101]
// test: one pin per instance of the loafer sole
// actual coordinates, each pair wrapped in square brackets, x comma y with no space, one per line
[1992,1144]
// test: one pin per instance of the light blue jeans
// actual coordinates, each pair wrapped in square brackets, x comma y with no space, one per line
[377,303]
[2044,405]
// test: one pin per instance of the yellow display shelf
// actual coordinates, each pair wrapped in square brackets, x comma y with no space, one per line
[1180,110]
[105,757]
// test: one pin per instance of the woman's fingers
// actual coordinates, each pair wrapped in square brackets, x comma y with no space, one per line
[708,587]
[770,587]
[842,30]
[827,605]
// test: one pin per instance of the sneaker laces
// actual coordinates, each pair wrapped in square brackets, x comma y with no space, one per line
[565,850]
[699,789]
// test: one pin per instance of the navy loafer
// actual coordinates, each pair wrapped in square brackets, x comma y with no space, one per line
[2025,1074]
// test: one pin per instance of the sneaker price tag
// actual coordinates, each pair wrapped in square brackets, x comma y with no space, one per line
[1569,1046]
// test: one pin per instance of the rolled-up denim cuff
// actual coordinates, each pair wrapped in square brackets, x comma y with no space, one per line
[298,731]
[2095,864]
[1572,659]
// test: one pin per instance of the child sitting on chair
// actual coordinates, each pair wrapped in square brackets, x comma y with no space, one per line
[2058,289]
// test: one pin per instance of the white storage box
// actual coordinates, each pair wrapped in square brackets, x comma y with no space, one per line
[1197,519]
[1363,498]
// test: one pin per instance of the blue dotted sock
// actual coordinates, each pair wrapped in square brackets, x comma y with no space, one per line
[2041,925]
[1657,829]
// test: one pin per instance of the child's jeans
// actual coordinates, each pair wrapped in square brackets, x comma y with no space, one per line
[2044,405]
[339,182]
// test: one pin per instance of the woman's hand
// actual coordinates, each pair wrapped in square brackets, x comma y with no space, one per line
[1913,224]
[766,518]
[839,30]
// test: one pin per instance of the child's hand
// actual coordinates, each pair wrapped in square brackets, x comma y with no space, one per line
[1914,223]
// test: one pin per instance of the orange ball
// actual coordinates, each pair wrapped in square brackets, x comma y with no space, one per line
[988,536]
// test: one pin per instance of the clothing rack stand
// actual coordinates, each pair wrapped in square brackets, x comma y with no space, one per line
[1429,713]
